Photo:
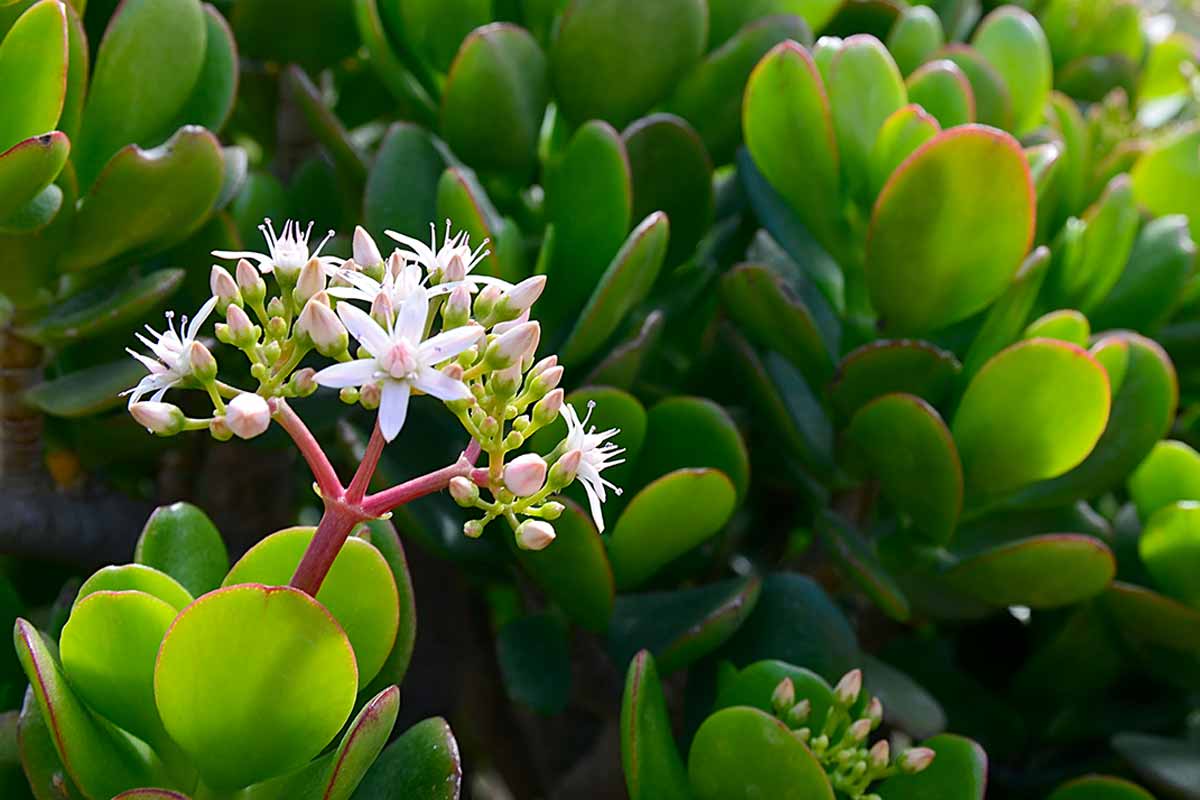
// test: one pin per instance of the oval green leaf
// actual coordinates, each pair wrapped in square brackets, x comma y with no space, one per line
[865,88]
[1151,284]
[993,101]
[1169,474]
[1100,787]
[652,765]
[33,74]
[941,88]
[1065,325]
[422,764]
[888,366]
[28,167]
[1030,571]
[87,391]
[692,432]
[383,537]
[1013,43]
[958,772]
[402,185]
[899,136]
[1170,550]
[136,578]
[915,37]
[856,556]
[182,541]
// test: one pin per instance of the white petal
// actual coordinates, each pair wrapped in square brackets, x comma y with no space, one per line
[349,293]
[262,259]
[201,316]
[393,408]
[349,373]
[439,385]
[421,250]
[448,344]
[594,503]
[364,329]
[410,321]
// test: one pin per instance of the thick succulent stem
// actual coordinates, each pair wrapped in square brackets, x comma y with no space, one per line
[335,526]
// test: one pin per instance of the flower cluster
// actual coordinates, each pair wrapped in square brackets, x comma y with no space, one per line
[419,321]
[841,744]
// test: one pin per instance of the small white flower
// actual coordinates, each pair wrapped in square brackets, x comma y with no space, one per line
[287,252]
[400,361]
[454,259]
[248,415]
[597,454]
[400,279]
[171,349]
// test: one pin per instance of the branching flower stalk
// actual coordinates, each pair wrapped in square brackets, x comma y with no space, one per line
[480,363]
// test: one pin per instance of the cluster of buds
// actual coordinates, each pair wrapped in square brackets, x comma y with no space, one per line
[425,324]
[841,745]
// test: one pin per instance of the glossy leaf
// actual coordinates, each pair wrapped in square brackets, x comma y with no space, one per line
[906,704]
[1169,474]
[108,648]
[211,100]
[87,391]
[1170,549]
[915,37]
[789,131]
[1029,571]
[754,685]
[85,317]
[1151,284]
[78,58]
[589,201]
[682,626]
[993,101]
[535,662]
[710,96]
[402,184]
[672,174]
[1165,178]
[41,769]
[575,572]
[1111,227]
[727,18]
[935,256]
[692,432]
[214,661]
[887,366]
[422,764]
[614,59]
[741,753]
[650,758]
[33,75]
[899,136]
[433,30]
[501,67]
[958,772]
[669,517]
[182,541]
[27,168]
[137,204]
[856,557]
[624,285]
[98,758]
[942,89]
[383,537]
[1065,325]
[1013,43]
[865,88]
[909,449]
[1007,317]
[1032,412]
[312,33]
[774,316]
[137,578]
[359,590]
[462,199]
[164,38]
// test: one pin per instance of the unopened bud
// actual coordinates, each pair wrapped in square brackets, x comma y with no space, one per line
[879,755]
[382,310]
[271,351]
[512,345]
[489,427]
[163,419]
[200,360]
[520,297]
[798,714]
[784,696]
[543,365]
[875,712]
[276,308]
[803,734]
[241,331]
[505,382]
[224,288]
[552,510]
[473,528]
[563,471]
[847,689]
[464,491]
[457,310]
[534,534]
[370,395]
[546,381]
[546,410]
[277,328]
[348,395]
[525,474]
[485,301]
[859,729]
[327,333]
[366,253]
[303,382]
[247,415]
[311,281]
[456,269]
[219,430]
[250,283]
[915,760]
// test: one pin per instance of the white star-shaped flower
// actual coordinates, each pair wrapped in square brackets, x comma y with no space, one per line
[400,361]
[596,455]
[454,260]
[170,364]
[287,252]
[400,279]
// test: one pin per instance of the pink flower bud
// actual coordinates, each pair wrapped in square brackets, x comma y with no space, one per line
[546,409]
[464,491]
[457,310]
[319,323]
[525,474]
[510,347]
[365,251]
[549,379]
[200,360]
[563,471]
[859,729]
[523,295]
[164,419]
[241,329]
[370,396]
[915,760]
[879,755]
[847,689]
[784,696]
[382,310]
[247,415]
[223,287]
[247,275]
[456,269]
[534,534]
[396,263]
[875,712]
[543,365]
[311,280]
[485,301]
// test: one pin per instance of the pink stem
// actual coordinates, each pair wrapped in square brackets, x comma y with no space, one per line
[366,468]
[336,523]
[380,503]
[318,462]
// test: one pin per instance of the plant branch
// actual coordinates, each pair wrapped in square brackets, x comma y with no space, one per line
[366,468]
[382,502]
[318,462]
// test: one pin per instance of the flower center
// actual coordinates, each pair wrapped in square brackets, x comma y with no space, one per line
[290,255]
[399,360]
